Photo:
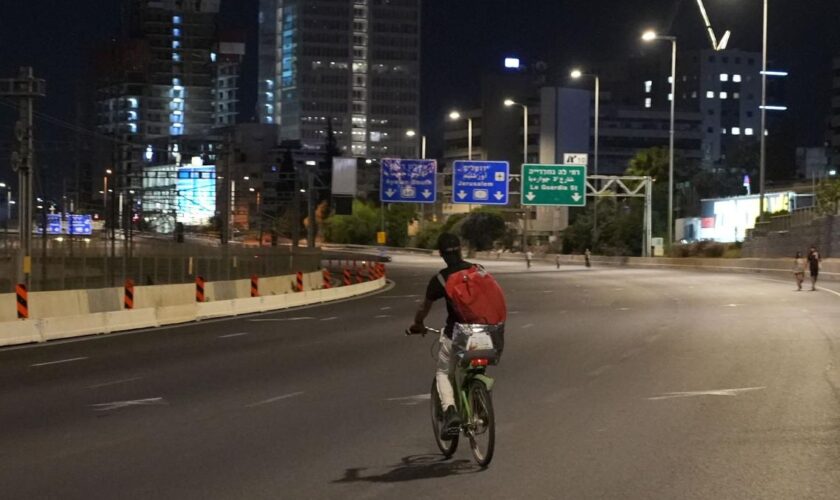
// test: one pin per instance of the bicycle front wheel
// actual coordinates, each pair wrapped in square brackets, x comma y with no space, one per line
[481,428]
[447,447]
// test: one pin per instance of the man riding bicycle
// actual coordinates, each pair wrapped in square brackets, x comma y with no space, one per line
[449,247]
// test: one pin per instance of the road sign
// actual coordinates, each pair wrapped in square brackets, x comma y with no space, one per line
[381,238]
[554,185]
[575,159]
[480,182]
[408,181]
[81,225]
[53,224]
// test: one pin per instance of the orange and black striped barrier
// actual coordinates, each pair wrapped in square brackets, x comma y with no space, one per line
[22,301]
[348,277]
[381,270]
[360,275]
[327,278]
[128,296]
[299,282]
[255,286]
[199,289]
[373,272]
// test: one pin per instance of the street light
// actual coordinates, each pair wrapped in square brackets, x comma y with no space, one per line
[411,133]
[763,132]
[578,74]
[526,212]
[650,36]
[454,116]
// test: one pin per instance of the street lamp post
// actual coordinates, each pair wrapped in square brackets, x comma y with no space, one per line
[576,74]
[650,36]
[526,211]
[763,132]
[412,133]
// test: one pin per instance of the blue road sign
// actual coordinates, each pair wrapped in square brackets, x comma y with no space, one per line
[80,225]
[53,223]
[480,182]
[408,181]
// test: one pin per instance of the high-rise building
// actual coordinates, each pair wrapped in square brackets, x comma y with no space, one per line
[349,65]
[835,114]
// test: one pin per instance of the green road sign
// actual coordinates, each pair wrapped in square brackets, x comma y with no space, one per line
[554,185]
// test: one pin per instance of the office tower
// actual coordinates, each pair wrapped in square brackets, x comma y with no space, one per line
[347,66]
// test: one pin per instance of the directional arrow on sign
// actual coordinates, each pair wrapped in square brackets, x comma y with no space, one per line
[462,194]
[426,194]
[530,196]
[576,196]
[390,193]
[499,196]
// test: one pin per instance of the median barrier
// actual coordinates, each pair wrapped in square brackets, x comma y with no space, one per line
[63,327]
[81,311]
[16,332]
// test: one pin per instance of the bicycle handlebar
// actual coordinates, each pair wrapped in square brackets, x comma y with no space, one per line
[428,331]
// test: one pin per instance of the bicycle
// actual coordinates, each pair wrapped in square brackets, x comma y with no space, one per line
[474,404]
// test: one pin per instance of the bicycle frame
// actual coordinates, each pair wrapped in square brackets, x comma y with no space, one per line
[462,379]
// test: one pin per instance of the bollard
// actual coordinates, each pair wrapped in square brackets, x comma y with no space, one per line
[255,285]
[128,296]
[199,289]
[22,301]
[299,282]
[327,279]
[348,278]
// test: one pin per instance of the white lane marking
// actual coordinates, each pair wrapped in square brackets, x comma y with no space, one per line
[115,382]
[274,400]
[331,318]
[231,335]
[731,305]
[692,394]
[300,318]
[623,309]
[412,400]
[548,291]
[384,308]
[115,405]
[382,316]
[48,363]
[529,325]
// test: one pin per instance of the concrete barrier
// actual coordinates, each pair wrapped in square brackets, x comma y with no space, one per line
[74,313]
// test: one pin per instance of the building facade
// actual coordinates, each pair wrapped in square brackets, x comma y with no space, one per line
[352,66]
[835,114]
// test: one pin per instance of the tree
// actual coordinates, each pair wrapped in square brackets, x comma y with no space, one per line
[359,228]
[482,228]
[828,196]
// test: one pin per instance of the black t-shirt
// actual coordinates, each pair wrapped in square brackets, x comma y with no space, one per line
[436,291]
[814,262]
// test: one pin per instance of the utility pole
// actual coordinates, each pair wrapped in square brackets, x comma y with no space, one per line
[226,189]
[310,204]
[26,88]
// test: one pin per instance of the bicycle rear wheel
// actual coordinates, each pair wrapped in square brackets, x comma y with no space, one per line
[447,447]
[481,428]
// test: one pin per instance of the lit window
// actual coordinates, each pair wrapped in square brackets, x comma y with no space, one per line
[176,44]
[724,95]
[724,77]
[736,95]
[736,78]
[176,32]
[723,131]
[670,97]
[213,57]
[710,95]
[749,131]
[648,102]
[176,19]
[176,57]
[648,87]
[736,131]
[694,95]
[176,82]
[670,79]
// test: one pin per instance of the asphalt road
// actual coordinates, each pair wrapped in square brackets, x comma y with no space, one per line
[616,383]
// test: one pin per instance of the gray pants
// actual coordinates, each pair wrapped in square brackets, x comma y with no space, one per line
[445,369]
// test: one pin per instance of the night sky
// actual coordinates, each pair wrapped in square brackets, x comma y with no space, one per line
[463,39]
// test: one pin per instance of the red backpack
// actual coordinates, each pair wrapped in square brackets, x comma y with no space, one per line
[476,296]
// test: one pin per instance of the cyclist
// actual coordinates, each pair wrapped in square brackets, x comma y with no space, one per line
[449,247]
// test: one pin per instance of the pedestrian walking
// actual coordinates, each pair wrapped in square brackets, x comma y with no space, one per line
[557,261]
[814,266]
[528,257]
[586,255]
[799,270]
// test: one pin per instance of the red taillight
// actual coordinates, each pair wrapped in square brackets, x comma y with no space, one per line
[479,362]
